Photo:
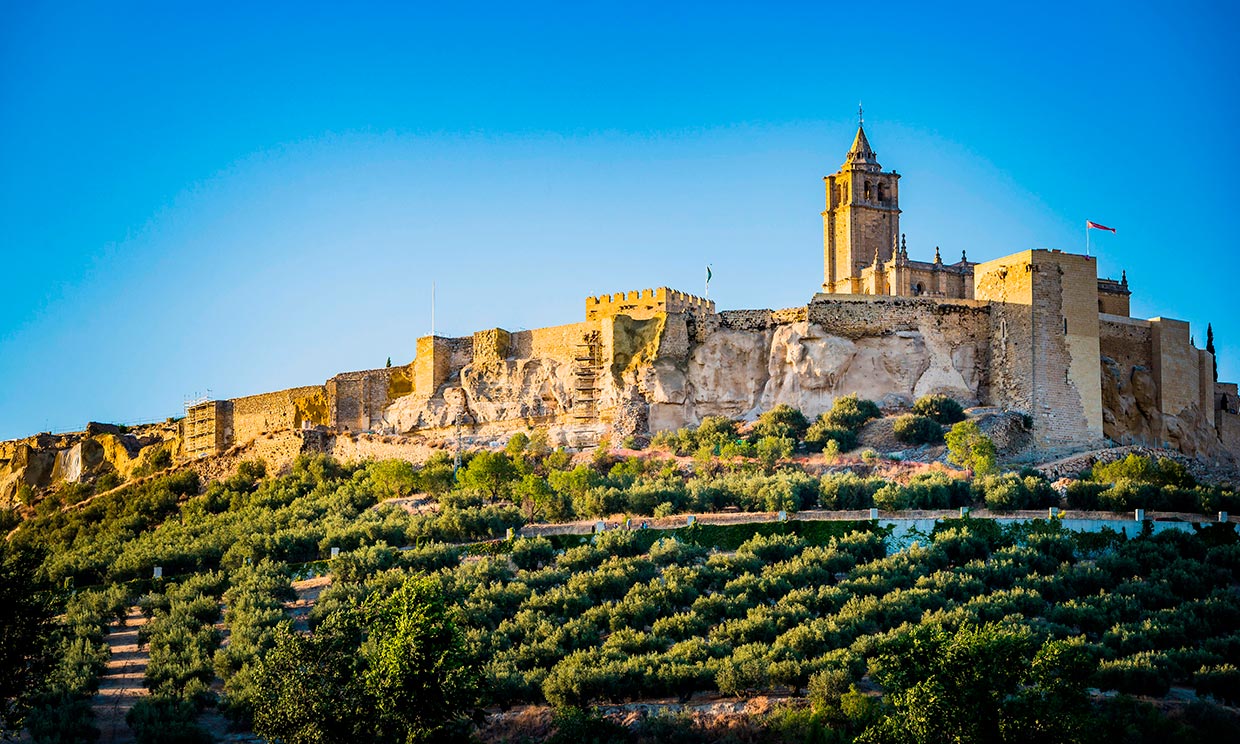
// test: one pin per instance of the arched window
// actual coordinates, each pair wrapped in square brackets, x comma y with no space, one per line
[918,289]
[881,195]
[867,190]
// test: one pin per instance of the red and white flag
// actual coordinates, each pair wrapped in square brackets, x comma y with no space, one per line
[1096,226]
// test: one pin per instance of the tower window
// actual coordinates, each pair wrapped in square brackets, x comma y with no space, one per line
[867,190]
[881,195]
[1065,326]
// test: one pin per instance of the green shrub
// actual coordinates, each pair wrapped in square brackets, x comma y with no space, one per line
[782,422]
[941,408]
[848,491]
[827,687]
[156,720]
[1009,492]
[1219,682]
[890,497]
[529,553]
[772,449]
[851,412]
[1083,495]
[772,548]
[62,718]
[822,434]
[517,443]
[741,448]
[962,544]
[716,431]
[924,491]
[1139,469]
[918,430]
[1144,673]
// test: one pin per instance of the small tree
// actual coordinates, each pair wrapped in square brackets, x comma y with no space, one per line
[389,362]
[26,632]
[772,449]
[394,669]
[489,472]
[418,670]
[969,448]
[1210,348]
[517,444]
[537,498]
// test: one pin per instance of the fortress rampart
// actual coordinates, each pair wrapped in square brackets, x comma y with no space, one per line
[646,303]
[1036,332]
[1031,340]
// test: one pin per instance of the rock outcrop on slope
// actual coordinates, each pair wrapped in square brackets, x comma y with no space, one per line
[46,461]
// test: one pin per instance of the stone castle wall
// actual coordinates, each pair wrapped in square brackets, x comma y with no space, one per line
[1032,341]
[646,303]
[1044,343]
[356,400]
[254,415]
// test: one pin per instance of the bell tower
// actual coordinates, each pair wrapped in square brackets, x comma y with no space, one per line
[862,218]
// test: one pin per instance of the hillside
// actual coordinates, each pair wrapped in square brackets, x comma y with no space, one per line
[705,616]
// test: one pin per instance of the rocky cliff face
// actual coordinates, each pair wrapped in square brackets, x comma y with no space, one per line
[740,373]
[662,373]
[1130,414]
[45,462]
[490,392]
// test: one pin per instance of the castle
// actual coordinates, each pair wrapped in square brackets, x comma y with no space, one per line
[1036,332]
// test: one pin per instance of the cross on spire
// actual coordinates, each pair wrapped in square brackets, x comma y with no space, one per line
[860,114]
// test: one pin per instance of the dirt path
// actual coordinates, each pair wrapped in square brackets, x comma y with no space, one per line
[121,684]
[307,592]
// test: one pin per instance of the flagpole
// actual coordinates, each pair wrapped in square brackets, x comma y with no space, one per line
[1086,237]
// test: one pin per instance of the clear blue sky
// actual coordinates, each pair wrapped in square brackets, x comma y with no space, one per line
[249,198]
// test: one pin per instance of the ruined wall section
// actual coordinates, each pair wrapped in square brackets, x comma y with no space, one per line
[255,415]
[356,400]
[438,358]
[495,378]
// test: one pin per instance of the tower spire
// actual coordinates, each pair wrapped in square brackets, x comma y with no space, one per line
[861,155]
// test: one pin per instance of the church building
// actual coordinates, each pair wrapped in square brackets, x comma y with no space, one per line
[865,253]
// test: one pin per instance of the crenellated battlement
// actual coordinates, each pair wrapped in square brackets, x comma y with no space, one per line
[646,303]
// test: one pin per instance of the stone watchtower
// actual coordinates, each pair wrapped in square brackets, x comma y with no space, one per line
[862,218]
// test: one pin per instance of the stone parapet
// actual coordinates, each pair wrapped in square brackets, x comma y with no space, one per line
[646,303]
